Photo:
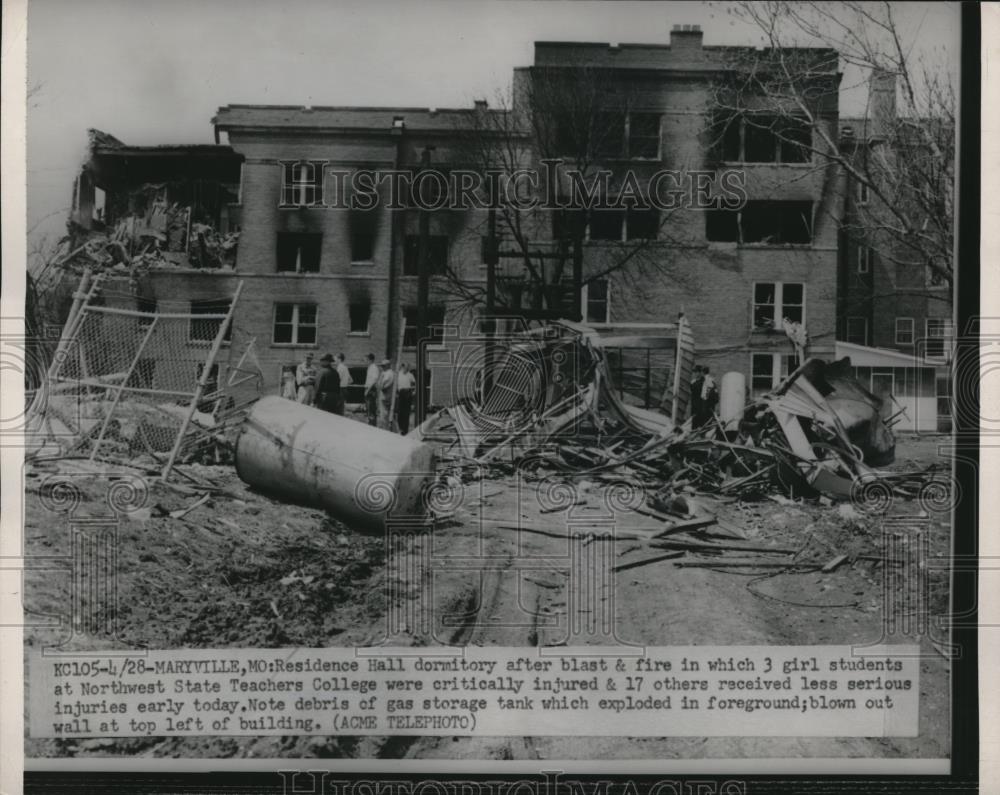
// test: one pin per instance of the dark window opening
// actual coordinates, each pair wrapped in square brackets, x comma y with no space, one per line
[362,246]
[360,316]
[773,222]
[568,224]
[758,138]
[796,140]
[606,224]
[435,325]
[644,135]
[722,226]
[146,305]
[642,224]
[775,301]
[759,141]
[608,135]
[206,330]
[437,254]
[299,252]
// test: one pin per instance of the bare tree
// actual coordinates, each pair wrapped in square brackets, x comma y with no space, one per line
[899,160]
[570,129]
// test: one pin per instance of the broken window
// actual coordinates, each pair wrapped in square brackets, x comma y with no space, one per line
[360,314]
[606,224]
[768,370]
[770,222]
[775,301]
[299,252]
[206,330]
[301,184]
[762,138]
[595,298]
[435,325]
[642,223]
[294,324]
[437,254]
[644,135]
[857,330]
[904,330]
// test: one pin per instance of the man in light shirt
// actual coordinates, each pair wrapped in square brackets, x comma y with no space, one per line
[345,381]
[371,390]
[305,380]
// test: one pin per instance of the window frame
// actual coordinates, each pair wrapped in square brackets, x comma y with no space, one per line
[913,331]
[866,257]
[777,141]
[585,302]
[438,342]
[864,332]
[779,301]
[350,320]
[659,136]
[778,362]
[301,238]
[295,325]
[948,327]
[205,304]
[313,188]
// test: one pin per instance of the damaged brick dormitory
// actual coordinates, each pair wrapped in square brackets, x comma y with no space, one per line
[211,216]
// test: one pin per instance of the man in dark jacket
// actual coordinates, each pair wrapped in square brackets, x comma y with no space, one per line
[327,386]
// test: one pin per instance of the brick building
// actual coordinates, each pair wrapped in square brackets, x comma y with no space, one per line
[324,279]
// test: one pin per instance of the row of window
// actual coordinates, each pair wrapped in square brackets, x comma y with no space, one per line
[773,222]
[936,341]
[612,135]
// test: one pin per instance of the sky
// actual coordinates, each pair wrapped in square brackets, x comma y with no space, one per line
[156,71]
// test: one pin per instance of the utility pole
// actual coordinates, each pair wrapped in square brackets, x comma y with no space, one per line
[492,257]
[423,296]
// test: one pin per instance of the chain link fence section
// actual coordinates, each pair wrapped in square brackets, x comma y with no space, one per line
[129,383]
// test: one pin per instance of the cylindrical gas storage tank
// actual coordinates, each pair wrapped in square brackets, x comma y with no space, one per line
[732,399]
[360,474]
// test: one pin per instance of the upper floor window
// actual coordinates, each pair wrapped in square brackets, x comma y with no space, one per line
[937,344]
[595,297]
[763,138]
[360,316]
[866,257]
[863,193]
[904,330]
[299,252]
[857,330]
[611,135]
[770,222]
[437,254]
[435,325]
[775,301]
[301,184]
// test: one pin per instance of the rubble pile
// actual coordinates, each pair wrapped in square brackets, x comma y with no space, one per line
[819,434]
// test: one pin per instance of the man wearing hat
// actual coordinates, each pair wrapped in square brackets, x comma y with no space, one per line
[327,386]
[386,382]
[371,390]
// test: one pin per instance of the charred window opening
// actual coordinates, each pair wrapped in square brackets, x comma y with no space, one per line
[299,252]
[301,184]
[294,324]
[206,330]
[362,246]
[770,222]
[360,314]
[435,325]
[437,254]
[644,136]
[607,134]
[606,224]
[775,301]
[768,370]
[760,138]
[642,223]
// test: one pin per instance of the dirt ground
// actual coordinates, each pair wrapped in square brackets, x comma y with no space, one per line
[242,570]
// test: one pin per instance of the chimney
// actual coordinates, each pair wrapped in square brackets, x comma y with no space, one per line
[686,38]
[882,103]
[480,105]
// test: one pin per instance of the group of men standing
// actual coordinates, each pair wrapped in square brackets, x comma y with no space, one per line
[324,387]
